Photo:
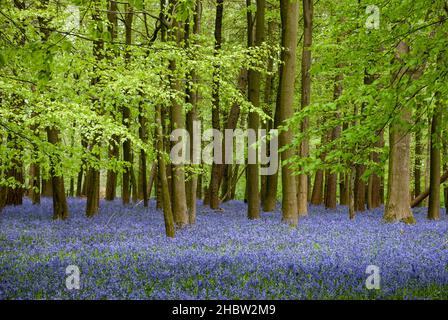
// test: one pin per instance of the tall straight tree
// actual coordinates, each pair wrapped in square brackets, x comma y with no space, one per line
[254,82]
[216,173]
[289,12]
[435,162]
[126,114]
[114,146]
[179,197]
[166,199]
[398,206]
[192,98]
[93,174]
[302,194]
[143,135]
[60,208]
[445,168]
[331,177]
[374,186]
[267,103]
[418,155]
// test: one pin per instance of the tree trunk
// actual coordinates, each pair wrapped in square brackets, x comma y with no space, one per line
[60,208]
[289,11]
[126,114]
[93,174]
[351,193]
[331,178]
[254,83]
[192,98]
[360,189]
[302,192]
[14,196]
[435,163]
[418,162]
[80,190]
[330,189]
[35,183]
[114,147]
[93,192]
[199,187]
[159,199]
[111,182]
[316,197]
[217,168]
[143,180]
[445,168]
[179,197]
[270,197]
[152,180]
[46,189]
[398,200]
[374,189]
[166,199]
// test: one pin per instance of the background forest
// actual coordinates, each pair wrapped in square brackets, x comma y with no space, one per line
[90,91]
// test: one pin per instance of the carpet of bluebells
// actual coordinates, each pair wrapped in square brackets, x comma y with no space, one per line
[123,254]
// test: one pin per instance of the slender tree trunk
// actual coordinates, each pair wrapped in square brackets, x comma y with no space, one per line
[445,169]
[435,163]
[317,194]
[46,189]
[316,197]
[179,197]
[166,199]
[344,182]
[270,197]
[331,179]
[143,180]
[254,84]
[216,173]
[343,189]
[111,180]
[34,172]
[271,192]
[35,183]
[14,195]
[418,162]
[60,208]
[80,190]
[351,193]
[159,199]
[93,192]
[2,198]
[192,98]
[93,174]
[289,11]
[330,190]
[398,201]
[134,187]
[374,186]
[360,189]
[2,176]
[302,198]
[114,144]
[126,114]
[152,180]
[199,187]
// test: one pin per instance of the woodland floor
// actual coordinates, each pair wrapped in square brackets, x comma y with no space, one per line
[123,253]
